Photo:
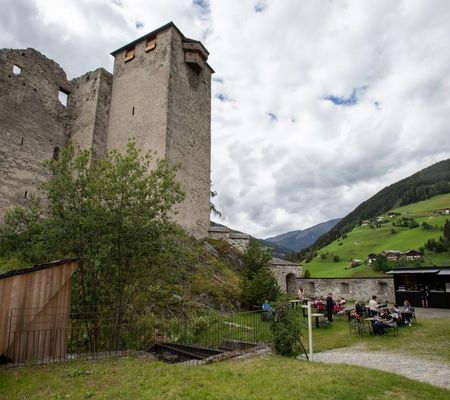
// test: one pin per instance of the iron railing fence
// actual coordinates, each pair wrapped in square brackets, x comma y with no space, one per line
[57,336]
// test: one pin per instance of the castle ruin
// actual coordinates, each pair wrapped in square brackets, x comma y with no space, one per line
[159,94]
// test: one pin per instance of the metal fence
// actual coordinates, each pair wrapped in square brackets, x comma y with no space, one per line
[56,336]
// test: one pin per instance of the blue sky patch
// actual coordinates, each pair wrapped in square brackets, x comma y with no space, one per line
[273,117]
[260,6]
[222,97]
[204,4]
[347,101]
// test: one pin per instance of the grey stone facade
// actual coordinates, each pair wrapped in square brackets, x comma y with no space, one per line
[161,97]
[239,241]
[286,273]
[358,289]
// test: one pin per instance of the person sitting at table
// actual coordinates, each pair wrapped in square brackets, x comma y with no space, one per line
[391,318]
[360,308]
[319,304]
[267,310]
[406,312]
[378,327]
[384,312]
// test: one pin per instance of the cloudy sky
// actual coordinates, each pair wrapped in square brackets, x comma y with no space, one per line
[317,104]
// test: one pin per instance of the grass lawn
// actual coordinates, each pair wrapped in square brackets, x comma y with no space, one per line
[426,339]
[271,377]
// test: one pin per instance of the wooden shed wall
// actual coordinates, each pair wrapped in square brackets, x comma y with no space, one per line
[35,301]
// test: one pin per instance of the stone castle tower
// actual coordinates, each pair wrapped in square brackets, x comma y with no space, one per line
[159,94]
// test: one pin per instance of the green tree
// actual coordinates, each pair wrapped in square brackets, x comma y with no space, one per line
[256,258]
[258,283]
[307,274]
[446,232]
[112,213]
[380,263]
[263,286]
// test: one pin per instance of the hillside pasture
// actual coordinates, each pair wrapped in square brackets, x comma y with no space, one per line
[364,240]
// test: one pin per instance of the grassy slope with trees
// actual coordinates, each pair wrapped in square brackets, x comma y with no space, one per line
[114,215]
[364,240]
[422,185]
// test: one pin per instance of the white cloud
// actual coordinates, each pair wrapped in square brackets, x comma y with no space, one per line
[317,160]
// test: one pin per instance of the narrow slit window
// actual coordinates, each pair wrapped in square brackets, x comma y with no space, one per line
[21,142]
[17,70]
[63,97]
[132,111]
[129,53]
[151,44]
[25,195]
[56,153]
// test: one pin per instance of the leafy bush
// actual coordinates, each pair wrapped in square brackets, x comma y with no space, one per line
[285,330]
[336,258]
[263,286]
[307,274]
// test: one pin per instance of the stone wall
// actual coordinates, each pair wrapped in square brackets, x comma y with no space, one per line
[33,123]
[90,108]
[165,105]
[349,288]
[158,98]
[286,276]
[189,136]
[239,241]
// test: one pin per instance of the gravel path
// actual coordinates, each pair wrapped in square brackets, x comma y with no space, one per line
[437,374]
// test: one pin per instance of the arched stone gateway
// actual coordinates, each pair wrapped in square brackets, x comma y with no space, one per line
[291,283]
[286,274]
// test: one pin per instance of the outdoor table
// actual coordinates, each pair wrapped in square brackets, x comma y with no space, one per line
[295,303]
[304,307]
[317,315]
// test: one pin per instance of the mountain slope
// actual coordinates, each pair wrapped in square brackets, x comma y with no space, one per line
[422,185]
[298,240]
[332,260]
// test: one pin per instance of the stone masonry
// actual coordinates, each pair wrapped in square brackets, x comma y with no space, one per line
[159,95]
[359,289]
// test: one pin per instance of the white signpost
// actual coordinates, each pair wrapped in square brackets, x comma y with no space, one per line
[310,332]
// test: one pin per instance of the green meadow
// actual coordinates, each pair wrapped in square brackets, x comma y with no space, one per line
[267,377]
[364,240]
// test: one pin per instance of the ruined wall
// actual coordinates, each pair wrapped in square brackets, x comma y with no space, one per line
[139,97]
[239,241]
[285,274]
[89,103]
[355,289]
[154,97]
[32,122]
[189,136]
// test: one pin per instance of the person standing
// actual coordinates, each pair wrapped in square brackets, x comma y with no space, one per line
[329,307]
[373,306]
[424,295]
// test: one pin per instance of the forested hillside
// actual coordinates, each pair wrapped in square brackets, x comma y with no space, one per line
[423,226]
[422,185]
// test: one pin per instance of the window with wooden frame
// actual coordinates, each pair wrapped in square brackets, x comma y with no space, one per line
[151,44]
[129,53]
